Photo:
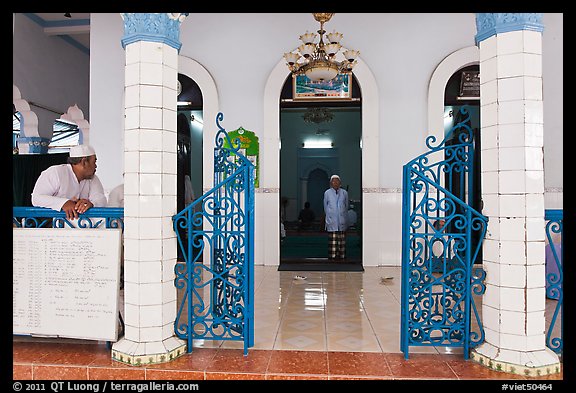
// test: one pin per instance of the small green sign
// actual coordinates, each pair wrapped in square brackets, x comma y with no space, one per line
[249,148]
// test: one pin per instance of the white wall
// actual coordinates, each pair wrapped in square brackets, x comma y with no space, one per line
[48,71]
[553,85]
[107,58]
[401,50]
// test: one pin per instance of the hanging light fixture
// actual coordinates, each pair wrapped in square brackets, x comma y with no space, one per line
[317,115]
[320,62]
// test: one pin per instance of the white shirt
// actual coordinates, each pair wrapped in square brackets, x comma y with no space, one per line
[116,197]
[352,218]
[188,191]
[336,209]
[58,184]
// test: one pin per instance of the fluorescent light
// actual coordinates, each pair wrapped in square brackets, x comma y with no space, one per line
[184,102]
[318,144]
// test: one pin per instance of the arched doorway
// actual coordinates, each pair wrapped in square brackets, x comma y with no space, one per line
[318,138]
[463,90]
[267,241]
[189,144]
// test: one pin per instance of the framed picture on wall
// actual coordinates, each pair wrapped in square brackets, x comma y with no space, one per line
[339,88]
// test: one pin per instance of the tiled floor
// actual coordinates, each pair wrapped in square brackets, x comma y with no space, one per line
[331,325]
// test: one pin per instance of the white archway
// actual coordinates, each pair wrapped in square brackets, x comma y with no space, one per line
[267,242]
[210,105]
[443,72]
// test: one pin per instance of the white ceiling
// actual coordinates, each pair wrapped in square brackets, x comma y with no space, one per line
[77,27]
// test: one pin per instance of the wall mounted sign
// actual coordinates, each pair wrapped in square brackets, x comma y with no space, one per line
[470,85]
[249,148]
[339,88]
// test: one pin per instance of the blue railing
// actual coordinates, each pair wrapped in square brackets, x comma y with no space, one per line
[93,218]
[41,217]
[441,239]
[216,237]
[555,276]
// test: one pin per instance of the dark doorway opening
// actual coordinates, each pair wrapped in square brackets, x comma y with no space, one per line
[319,138]
[189,148]
[456,96]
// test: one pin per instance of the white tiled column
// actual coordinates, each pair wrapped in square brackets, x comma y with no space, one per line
[513,194]
[150,194]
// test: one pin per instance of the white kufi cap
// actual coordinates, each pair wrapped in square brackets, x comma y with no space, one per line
[82,151]
[334,177]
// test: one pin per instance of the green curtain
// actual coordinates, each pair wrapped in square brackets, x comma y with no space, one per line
[25,171]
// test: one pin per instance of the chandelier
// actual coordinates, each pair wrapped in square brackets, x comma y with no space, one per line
[317,115]
[319,63]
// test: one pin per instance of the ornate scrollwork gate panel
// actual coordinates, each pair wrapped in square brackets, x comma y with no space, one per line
[216,236]
[439,228]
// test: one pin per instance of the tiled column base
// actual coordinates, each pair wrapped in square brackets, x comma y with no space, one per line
[533,363]
[139,354]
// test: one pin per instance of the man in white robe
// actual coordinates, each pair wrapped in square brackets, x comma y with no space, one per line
[73,187]
[336,222]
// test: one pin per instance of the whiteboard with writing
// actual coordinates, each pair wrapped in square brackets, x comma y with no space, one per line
[66,282]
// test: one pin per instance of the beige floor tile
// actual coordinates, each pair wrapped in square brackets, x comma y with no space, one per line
[266,326]
[309,325]
[349,326]
[297,312]
[300,341]
[356,342]
[207,343]
[350,301]
[345,314]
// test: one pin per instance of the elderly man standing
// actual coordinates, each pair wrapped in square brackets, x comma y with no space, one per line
[336,211]
[72,187]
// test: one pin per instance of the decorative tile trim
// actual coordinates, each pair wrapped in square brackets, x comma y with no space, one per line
[380,190]
[256,190]
[515,368]
[152,27]
[267,191]
[374,190]
[489,24]
[143,360]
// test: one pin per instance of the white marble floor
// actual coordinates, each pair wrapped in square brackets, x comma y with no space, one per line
[328,311]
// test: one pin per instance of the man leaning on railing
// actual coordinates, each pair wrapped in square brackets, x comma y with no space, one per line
[73,187]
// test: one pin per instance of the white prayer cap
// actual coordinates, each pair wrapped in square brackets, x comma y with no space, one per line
[82,151]
[334,177]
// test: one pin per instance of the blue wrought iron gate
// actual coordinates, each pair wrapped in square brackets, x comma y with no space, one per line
[441,239]
[216,236]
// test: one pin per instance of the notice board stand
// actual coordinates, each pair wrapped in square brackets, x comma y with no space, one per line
[66,282]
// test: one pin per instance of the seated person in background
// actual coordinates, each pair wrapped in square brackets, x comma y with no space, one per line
[116,197]
[352,217]
[72,187]
[306,217]
[188,191]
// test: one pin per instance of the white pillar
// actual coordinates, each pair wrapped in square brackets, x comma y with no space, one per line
[151,74]
[513,194]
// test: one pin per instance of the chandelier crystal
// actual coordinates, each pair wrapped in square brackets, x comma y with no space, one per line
[319,59]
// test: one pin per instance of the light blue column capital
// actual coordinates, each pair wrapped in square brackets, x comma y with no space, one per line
[153,27]
[489,24]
